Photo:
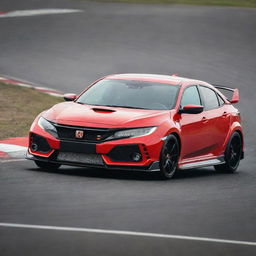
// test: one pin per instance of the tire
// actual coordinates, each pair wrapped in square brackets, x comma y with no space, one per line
[169,157]
[46,165]
[233,154]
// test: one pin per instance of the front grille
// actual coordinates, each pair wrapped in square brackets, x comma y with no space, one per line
[89,134]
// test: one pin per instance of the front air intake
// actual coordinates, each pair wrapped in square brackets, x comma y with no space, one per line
[103,110]
[39,144]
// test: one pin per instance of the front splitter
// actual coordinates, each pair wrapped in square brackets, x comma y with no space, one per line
[150,168]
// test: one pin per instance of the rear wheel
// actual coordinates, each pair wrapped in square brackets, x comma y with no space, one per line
[233,154]
[47,165]
[169,157]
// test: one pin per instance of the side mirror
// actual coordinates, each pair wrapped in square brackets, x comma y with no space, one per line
[69,97]
[235,97]
[191,109]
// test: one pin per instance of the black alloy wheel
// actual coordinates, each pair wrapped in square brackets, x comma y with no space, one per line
[169,157]
[47,166]
[233,154]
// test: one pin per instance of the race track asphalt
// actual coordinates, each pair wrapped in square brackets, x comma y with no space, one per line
[69,51]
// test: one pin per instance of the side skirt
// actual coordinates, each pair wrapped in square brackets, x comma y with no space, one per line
[198,164]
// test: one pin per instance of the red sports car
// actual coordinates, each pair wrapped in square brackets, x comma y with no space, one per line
[141,122]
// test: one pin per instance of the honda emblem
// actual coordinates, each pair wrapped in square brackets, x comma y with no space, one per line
[79,134]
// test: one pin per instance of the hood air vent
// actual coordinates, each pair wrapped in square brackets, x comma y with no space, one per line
[103,110]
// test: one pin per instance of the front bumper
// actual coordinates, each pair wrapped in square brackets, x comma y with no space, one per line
[53,159]
[140,154]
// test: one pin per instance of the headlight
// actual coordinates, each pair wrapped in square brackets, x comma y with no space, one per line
[136,132]
[47,126]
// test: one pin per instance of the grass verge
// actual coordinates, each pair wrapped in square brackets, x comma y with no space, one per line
[19,107]
[234,3]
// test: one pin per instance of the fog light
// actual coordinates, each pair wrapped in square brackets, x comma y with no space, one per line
[136,157]
[34,147]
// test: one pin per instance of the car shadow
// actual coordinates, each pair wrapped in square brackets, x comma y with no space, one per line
[131,175]
[199,172]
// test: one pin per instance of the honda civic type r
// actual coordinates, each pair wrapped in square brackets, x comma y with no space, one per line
[141,122]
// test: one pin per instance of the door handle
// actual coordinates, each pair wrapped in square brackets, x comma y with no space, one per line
[225,114]
[204,120]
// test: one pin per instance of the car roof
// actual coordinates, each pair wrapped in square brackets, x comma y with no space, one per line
[169,79]
[166,79]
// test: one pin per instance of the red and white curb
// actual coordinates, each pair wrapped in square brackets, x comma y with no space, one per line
[26,13]
[13,148]
[49,91]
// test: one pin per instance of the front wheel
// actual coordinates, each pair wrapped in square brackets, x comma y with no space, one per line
[169,157]
[46,165]
[233,154]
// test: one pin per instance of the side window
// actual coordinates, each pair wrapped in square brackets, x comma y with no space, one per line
[221,101]
[210,98]
[190,96]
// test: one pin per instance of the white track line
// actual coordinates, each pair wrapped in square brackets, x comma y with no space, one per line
[25,13]
[13,160]
[127,233]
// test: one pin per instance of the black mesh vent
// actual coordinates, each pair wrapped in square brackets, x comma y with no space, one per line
[123,153]
[39,144]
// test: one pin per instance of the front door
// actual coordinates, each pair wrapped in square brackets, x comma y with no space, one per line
[194,127]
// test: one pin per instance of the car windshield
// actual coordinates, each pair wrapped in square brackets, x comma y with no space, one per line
[131,94]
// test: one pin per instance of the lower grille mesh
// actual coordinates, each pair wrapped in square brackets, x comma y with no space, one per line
[93,159]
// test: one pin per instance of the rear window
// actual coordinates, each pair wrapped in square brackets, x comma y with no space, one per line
[210,98]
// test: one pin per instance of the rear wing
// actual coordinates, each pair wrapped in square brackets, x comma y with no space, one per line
[235,93]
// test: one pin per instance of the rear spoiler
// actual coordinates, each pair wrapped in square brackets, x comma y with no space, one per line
[235,95]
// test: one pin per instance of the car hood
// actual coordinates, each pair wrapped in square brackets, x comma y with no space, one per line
[71,113]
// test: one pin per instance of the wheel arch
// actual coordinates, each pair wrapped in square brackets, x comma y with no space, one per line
[242,138]
[164,170]
[235,127]
[177,137]
[241,134]
[176,133]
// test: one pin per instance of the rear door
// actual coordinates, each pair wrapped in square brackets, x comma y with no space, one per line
[218,118]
